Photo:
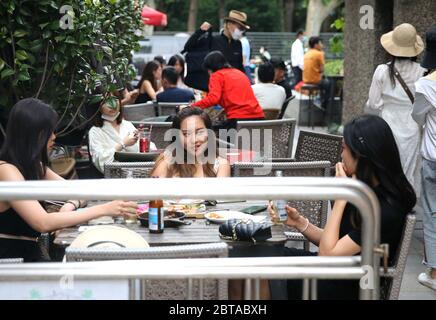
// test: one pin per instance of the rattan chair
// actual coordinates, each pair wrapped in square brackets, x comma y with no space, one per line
[315,211]
[282,136]
[114,170]
[168,108]
[390,289]
[313,146]
[140,111]
[271,114]
[163,289]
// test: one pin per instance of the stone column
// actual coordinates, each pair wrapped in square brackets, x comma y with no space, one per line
[363,52]
[420,13]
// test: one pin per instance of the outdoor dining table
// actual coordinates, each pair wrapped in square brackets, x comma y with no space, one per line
[199,231]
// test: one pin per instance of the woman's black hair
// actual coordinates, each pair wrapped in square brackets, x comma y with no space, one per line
[147,74]
[178,58]
[215,61]
[31,123]
[391,65]
[372,142]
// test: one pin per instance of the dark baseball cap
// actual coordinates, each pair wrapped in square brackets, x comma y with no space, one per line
[429,60]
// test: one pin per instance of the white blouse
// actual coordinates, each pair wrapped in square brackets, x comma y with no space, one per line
[102,142]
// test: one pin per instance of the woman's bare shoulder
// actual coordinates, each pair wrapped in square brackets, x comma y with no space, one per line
[9,172]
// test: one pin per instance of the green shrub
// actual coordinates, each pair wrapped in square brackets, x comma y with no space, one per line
[62,66]
[334,67]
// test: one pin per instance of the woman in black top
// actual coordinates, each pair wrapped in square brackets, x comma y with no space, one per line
[150,83]
[370,155]
[24,156]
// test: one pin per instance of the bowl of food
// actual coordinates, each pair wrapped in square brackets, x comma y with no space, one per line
[171,219]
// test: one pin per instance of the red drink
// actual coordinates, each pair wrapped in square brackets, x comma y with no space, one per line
[144,145]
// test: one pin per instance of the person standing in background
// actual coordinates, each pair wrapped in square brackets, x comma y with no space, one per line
[246,52]
[424,113]
[297,57]
[227,42]
[392,93]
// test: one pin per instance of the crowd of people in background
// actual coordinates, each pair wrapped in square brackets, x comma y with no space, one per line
[386,150]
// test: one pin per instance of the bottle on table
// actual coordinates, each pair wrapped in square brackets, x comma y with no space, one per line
[156,216]
[144,139]
[281,204]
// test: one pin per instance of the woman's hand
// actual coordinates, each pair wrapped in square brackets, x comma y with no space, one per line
[131,139]
[295,219]
[121,208]
[341,171]
[67,207]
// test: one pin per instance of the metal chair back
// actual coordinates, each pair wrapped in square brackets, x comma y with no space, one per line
[314,146]
[140,111]
[115,170]
[163,289]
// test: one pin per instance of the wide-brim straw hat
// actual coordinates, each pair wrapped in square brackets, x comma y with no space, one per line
[109,237]
[403,41]
[429,60]
[238,17]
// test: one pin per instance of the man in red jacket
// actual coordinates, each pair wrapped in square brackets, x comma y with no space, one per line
[231,89]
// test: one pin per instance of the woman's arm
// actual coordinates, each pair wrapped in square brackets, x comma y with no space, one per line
[330,244]
[224,168]
[146,87]
[375,100]
[38,219]
[160,169]
[216,84]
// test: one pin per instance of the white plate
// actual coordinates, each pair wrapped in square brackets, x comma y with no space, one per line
[227,215]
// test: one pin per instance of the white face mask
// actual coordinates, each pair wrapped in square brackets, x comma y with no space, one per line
[109,118]
[237,34]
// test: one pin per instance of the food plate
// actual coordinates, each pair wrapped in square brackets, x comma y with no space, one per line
[223,216]
[171,219]
[192,208]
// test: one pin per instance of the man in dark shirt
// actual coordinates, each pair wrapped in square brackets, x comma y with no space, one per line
[171,93]
[279,76]
[227,42]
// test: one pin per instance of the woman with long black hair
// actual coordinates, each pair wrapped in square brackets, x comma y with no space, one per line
[370,155]
[24,156]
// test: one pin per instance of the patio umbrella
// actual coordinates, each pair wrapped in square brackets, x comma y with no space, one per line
[153,17]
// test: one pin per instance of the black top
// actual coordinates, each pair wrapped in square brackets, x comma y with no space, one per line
[11,223]
[392,223]
[143,98]
[287,87]
[232,49]
[175,95]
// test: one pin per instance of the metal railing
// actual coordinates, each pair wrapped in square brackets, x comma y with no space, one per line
[357,193]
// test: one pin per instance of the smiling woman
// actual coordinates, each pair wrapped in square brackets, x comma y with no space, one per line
[195,141]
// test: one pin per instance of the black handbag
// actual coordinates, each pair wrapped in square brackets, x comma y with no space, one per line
[244,230]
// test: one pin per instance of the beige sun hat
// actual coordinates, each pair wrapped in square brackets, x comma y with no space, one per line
[238,17]
[403,41]
[109,237]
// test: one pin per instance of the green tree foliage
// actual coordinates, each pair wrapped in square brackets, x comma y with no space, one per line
[63,67]
[263,15]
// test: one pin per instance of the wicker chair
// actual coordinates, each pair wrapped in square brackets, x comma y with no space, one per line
[282,136]
[315,211]
[114,170]
[163,289]
[168,108]
[137,112]
[390,289]
[271,114]
[312,146]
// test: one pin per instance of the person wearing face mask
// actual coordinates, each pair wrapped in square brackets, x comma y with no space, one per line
[111,133]
[227,42]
